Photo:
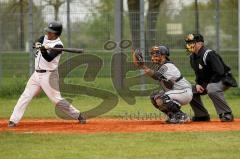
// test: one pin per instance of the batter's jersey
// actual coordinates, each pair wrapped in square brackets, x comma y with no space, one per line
[43,64]
[171,73]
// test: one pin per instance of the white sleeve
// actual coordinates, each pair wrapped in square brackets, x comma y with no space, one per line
[171,72]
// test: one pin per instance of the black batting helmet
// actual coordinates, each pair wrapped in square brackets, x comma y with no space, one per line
[54,27]
[160,50]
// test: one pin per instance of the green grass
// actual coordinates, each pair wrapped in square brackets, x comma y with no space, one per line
[14,86]
[212,145]
[209,145]
[175,145]
[21,62]
[43,108]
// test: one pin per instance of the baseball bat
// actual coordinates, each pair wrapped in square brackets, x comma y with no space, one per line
[72,50]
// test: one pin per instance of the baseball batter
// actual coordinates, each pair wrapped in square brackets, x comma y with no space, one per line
[176,89]
[46,77]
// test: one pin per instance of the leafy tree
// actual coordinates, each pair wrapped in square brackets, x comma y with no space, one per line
[134,20]
[152,16]
[229,22]
[19,8]
[56,5]
[14,23]
[97,27]
[207,11]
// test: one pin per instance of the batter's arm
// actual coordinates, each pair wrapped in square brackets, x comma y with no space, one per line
[49,56]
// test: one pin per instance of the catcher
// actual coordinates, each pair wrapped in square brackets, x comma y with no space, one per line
[176,90]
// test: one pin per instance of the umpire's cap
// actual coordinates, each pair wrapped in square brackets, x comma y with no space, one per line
[54,27]
[160,50]
[194,38]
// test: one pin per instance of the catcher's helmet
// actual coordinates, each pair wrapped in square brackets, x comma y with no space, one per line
[160,50]
[54,27]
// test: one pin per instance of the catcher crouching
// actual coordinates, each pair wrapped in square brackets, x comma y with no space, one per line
[176,90]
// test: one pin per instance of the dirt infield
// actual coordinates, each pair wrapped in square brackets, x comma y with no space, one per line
[115,125]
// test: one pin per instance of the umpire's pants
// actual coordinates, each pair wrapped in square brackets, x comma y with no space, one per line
[216,93]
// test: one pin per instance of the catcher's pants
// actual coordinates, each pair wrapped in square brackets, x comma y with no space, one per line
[49,83]
[181,97]
[216,93]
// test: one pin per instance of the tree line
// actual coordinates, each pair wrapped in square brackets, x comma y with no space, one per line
[98,25]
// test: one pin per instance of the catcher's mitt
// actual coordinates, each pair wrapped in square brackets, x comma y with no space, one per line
[137,57]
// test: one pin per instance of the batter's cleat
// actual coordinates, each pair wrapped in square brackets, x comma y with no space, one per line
[11,124]
[201,118]
[226,117]
[82,119]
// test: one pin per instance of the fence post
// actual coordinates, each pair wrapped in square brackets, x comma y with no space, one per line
[68,24]
[30,36]
[118,72]
[196,17]
[217,27]
[238,43]
[69,42]
[1,51]
[142,39]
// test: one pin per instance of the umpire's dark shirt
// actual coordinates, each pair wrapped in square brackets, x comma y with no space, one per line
[212,72]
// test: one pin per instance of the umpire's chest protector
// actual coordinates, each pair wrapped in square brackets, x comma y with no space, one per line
[202,71]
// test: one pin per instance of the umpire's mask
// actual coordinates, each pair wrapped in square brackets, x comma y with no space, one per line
[191,41]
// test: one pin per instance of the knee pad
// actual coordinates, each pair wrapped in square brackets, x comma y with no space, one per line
[170,105]
[154,95]
[154,103]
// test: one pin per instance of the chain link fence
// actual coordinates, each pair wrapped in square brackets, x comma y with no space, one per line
[88,25]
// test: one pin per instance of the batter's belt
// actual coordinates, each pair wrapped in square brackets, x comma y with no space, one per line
[44,71]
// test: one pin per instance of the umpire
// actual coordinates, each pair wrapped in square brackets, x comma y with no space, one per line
[213,77]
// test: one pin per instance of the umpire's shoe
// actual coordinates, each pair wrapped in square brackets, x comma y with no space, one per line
[82,119]
[11,124]
[226,117]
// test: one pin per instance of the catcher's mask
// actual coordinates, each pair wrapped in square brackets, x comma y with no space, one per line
[191,41]
[160,50]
